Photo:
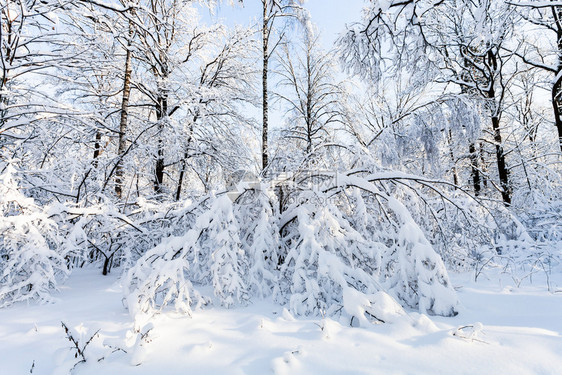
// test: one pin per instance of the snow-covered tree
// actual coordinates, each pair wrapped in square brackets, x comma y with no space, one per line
[331,245]
[309,92]
[324,257]
[272,11]
[413,269]
[542,48]
[32,259]
[228,261]
[259,235]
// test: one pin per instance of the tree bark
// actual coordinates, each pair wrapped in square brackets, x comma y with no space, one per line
[124,114]
[500,157]
[473,155]
[161,116]
[309,91]
[503,172]
[182,174]
[453,161]
[556,105]
[557,86]
[97,149]
[265,126]
[475,171]
[184,160]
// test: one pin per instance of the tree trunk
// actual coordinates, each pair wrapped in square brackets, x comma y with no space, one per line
[502,167]
[557,104]
[97,149]
[474,167]
[475,171]
[557,86]
[483,169]
[309,99]
[161,117]
[184,160]
[495,117]
[182,173]
[453,162]
[265,126]
[105,270]
[124,113]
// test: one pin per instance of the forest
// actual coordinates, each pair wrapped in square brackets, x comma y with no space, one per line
[208,165]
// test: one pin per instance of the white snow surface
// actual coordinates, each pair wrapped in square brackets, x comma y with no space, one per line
[500,329]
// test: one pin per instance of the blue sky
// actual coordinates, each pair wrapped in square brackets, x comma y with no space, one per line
[330,16]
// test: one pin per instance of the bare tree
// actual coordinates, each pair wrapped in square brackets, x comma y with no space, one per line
[224,79]
[122,144]
[478,66]
[91,83]
[311,94]
[548,16]
[272,10]
[455,41]
[25,28]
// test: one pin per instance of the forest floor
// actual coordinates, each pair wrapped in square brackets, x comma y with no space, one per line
[501,329]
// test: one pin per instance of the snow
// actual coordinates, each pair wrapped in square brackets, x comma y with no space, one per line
[500,329]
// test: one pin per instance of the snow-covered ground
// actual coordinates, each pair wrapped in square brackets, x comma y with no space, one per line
[501,330]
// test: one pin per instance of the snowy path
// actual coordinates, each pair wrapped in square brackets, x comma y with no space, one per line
[521,333]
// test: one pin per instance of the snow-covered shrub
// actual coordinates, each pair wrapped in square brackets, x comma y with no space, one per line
[414,271]
[31,258]
[410,269]
[523,248]
[228,262]
[160,278]
[331,248]
[209,253]
[259,236]
[109,236]
[331,252]
[325,256]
